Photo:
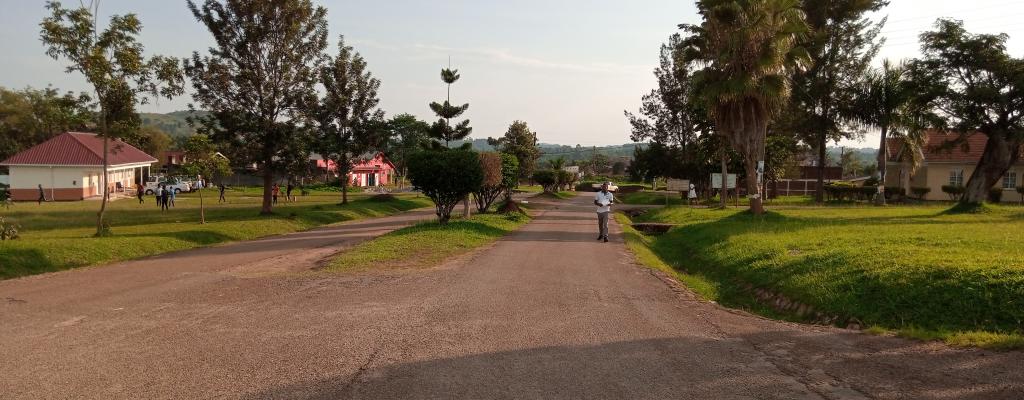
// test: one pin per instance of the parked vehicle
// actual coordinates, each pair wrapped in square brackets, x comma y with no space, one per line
[174,184]
[611,188]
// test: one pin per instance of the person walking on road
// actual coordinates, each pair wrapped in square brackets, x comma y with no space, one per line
[276,191]
[603,200]
[222,199]
[692,195]
[139,192]
[171,195]
[42,195]
[288,192]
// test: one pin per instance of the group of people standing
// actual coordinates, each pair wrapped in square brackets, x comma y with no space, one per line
[276,191]
[165,197]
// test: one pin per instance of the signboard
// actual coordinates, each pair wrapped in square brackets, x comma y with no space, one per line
[678,185]
[716,181]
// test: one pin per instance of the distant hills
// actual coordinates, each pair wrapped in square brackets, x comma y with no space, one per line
[176,125]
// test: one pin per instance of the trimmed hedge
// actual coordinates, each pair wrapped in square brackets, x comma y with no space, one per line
[954,191]
[995,195]
[920,192]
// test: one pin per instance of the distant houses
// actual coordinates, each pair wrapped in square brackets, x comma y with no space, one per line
[945,164]
[70,167]
[370,169]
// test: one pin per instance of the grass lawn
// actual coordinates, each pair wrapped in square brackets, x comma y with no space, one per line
[58,236]
[557,195]
[428,244]
[658,198]
[916,270]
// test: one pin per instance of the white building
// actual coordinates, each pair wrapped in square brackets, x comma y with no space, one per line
[70,167]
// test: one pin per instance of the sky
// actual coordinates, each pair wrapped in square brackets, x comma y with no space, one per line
[567,67]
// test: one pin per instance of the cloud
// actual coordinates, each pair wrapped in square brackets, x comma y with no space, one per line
[504,56]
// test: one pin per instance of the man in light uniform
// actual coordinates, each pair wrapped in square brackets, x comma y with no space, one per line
[603,200]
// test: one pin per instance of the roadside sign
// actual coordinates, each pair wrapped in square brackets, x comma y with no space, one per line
[716,181]
[678,185]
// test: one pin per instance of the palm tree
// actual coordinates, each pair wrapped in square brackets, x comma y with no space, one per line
[889,104]
[748,51]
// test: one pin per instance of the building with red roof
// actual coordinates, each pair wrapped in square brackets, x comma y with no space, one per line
[368,170]
[946,161]
[70,167]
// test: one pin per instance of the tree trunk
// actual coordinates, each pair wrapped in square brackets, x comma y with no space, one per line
[106,183]
[999,155]
[882,150]
[753,186]
[819,192]
[344,189]
[724,190]
[466,213]
[268,192]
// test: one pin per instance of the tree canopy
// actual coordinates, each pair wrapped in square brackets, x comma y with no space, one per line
[257,77]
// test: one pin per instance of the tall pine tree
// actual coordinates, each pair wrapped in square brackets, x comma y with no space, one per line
[443,130]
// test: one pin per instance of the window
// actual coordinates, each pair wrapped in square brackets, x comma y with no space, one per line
[1010,180]
[956,177]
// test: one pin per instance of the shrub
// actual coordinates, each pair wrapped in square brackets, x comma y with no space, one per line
[548,179]
[920,192]
[566,179]
[954,191]
[8,231]
[631,188]
[841,190]
[995,195]
[446,177]
[509,173]
[894,191]
[491,186]
[585,186]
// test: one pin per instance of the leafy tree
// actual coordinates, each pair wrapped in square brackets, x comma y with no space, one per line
[618,168]
[841,43]
[443,130]
[492,183]
[407,135]
[548,179]
[977,88]
[29,117]
[152,140]
[113,63]
[446,177]
[781,149]
[255,80]
[509,174]
[890,101]
[520,142]
[347,118]
[666,114]
[748,51]
[204,161]
[556,163]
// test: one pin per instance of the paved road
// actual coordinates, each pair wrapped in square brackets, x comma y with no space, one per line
[547,312]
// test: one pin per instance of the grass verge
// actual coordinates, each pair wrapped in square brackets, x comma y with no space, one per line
[427,244]
[913,271]
[58,236]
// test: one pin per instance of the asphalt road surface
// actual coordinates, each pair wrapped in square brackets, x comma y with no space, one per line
[548,312]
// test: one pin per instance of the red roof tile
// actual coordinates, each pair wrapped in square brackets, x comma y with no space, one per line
[77,148]
[935,151]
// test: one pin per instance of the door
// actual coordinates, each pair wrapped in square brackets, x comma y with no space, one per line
[371,180]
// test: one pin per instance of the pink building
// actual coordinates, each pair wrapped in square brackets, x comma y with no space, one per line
[371,169]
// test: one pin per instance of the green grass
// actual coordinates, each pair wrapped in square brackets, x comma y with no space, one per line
[529,188]
[58,236]
[427,244]
[917,271]
[658,198]
[558,195]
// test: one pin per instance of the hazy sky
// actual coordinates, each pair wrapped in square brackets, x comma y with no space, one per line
[567,67]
